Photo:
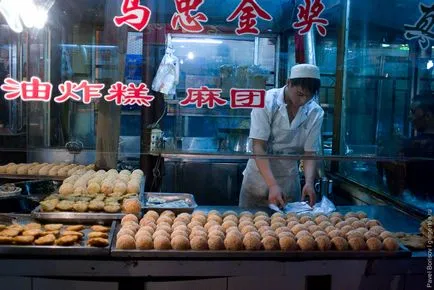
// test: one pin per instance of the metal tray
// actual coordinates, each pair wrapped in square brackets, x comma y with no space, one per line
[77,250]
[188,198]
[78,217]
[208,254]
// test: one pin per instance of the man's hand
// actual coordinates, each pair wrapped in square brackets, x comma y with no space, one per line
[275,196]
[309,190]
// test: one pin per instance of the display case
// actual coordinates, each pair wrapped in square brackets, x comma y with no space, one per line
[106,104]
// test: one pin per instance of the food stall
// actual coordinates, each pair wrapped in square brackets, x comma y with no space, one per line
[124,136]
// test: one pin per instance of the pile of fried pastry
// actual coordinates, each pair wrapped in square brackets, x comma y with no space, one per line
[250,231]
[54,234]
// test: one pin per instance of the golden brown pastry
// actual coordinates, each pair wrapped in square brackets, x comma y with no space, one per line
[144,242]
[233,241]
[33,232]
[374,244]
[180,243]
[390,244]
[217,233]
[132,206]
[372,223]
[287,243]
[357,244]
[67,240]
[339,243]
[72,233]
[99,228]
[96,205]
[24,240]
[252,241]
[45,240]
[125,242]
[92,235]
[65,205]
[162,243]
[10,233]
[32,226]
[216,243]
[318,234]
[53,227]
[298,228]
[306,243]
[129,217]
[98,242]
[112,207]
[126,232]
[323,243]
[75,228]
[302,234]
[6,240]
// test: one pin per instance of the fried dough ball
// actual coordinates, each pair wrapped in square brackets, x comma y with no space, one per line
[128,218]
[132,206]
[357,243]
[120,187]
[278,219]
[346,229]
[390,244]
[270,243]
[160,233]
[297,228]
[374,244]
[210,224]
[182,227]
[350,214]
[260,213]
[179,223]
[261,223]
[353,234]
[369,235]
[193,224]
[314,228]
[303,219]
[198,234]
[318,234]
[128,225]
[323,243]
[152,214]
[341,224]
[329,229]
[282,229]
[66,189]
[230,218]
[252,241]
[291,224]
[334,220]
[126,232]
[302,234]
[306,243]
[150,225]
[217,233]
[233,242]
[125,242]
[179,233]
[285,234]
[372,223]
[351,220]
[275,226]
[336,214]
[287,243]
[169,214]
[107,188]
[292,218]
[321,218]
[198,213]
[269,233]
[180,243]
[358,224]
[199,243]
[309,223]
[339,244]
[386,234]
[262,218]
[185,217]
[362,230]
[278,215]
[216,218]
[229,212]
[377,229]
[245,223]
[164,227]
[263,229]
[361,214]
[133,187]
[164,219]
[336,233]
[162,242]
[81,206]
[216,243]
[325,224]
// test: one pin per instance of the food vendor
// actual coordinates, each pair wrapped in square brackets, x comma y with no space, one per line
[289,123]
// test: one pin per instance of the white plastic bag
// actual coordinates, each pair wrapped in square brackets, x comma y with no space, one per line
[325,206]
[167,76]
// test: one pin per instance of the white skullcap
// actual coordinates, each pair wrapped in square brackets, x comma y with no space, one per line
[304,71]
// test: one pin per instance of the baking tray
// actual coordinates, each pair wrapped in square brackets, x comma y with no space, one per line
[82,250]
[79,217]
[189,198]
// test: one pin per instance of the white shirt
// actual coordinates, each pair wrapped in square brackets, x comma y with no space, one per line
[272,124]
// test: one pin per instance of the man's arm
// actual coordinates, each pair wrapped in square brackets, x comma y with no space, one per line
[275,192]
